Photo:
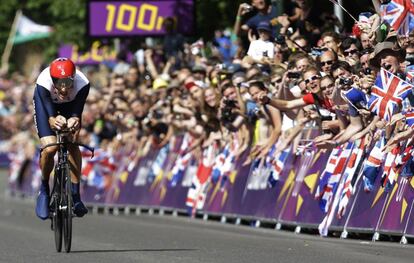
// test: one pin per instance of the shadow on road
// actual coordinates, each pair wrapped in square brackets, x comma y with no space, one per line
[133,250]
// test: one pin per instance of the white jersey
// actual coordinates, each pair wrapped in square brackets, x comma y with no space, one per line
[258,48]
[45,80]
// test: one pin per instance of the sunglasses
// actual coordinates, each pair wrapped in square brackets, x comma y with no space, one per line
[328,62]
[328,86]
[386,66]
[350,52]
[67,82]
[314,77]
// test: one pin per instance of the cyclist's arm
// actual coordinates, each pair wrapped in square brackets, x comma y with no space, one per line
[43,100]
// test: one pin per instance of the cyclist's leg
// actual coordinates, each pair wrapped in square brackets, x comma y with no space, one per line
[47,157]
[46,166]
[46,136]
[75,159]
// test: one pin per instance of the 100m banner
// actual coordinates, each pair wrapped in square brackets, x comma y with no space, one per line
[129,18]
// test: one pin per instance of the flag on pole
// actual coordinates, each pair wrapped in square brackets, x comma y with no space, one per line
[333,181]
[394,13]
[28,30]
[390,171]
[326,174]
[373,163]
[351,173]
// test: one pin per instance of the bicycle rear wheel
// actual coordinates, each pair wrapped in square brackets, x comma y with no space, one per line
[57,223]
[67,213]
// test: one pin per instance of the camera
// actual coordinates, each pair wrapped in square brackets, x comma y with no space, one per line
[280,39]
[294,75]
[367,71]
[345,81]
[317,51]
[248,7]
[230,103]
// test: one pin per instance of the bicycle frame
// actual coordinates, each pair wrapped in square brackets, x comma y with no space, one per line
[61,195]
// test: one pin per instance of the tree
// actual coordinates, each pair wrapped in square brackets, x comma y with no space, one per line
[68,19]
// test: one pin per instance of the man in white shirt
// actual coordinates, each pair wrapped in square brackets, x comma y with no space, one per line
[262,49]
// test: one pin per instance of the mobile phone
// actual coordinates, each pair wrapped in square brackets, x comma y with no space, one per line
[294,75]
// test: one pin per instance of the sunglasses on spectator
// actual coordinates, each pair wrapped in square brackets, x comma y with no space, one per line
[314,77]
[278,80]
[327,87]
[386,66]
[350,52]
[328,62]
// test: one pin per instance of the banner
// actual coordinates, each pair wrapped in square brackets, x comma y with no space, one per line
[132,18]
[95,55]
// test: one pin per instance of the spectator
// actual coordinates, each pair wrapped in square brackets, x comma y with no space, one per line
[262,50]
[265,13]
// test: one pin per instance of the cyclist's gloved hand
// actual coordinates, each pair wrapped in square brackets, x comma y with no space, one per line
[57,123]
[73,124]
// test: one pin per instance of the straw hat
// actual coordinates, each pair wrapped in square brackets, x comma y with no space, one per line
[385,47]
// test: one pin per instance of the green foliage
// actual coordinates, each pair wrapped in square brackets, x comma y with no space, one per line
[68,19]
[215,14]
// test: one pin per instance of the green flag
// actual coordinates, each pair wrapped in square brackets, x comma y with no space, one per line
[27,30]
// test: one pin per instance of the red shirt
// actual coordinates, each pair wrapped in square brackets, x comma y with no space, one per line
[312,98]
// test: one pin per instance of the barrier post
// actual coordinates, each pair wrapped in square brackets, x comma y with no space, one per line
[376,235]
[403,238]
[344,233]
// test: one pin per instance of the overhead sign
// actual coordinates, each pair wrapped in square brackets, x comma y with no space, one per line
[129,18]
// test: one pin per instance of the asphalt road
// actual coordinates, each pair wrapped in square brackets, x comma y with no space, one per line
[144,238]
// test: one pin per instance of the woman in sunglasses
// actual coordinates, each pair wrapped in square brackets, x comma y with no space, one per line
[59,98]
[311,78]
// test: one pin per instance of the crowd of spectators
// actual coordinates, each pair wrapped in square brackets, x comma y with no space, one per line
[261,82]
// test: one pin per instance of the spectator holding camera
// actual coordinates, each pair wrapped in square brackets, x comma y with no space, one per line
[262,50]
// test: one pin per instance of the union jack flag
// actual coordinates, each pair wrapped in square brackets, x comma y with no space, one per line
[387,94]
[410,73]
[394,13]
[409,117]
[351,174]
[219,169]
[334,179]
[326,174]
[390,170]
[373,163]
[197,192]
[182,160]
[277,167]
[98,172]
[407,25]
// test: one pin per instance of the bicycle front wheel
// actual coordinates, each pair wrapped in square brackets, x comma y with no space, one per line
[67,213]
[57,223]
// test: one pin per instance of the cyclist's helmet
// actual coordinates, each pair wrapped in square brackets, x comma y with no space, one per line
[62,68]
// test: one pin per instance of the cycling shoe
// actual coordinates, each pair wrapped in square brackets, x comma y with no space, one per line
[42,205]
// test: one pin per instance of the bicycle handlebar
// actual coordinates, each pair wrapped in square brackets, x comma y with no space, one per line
[64,133]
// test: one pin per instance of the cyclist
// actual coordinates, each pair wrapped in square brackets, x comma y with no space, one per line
[59,98]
